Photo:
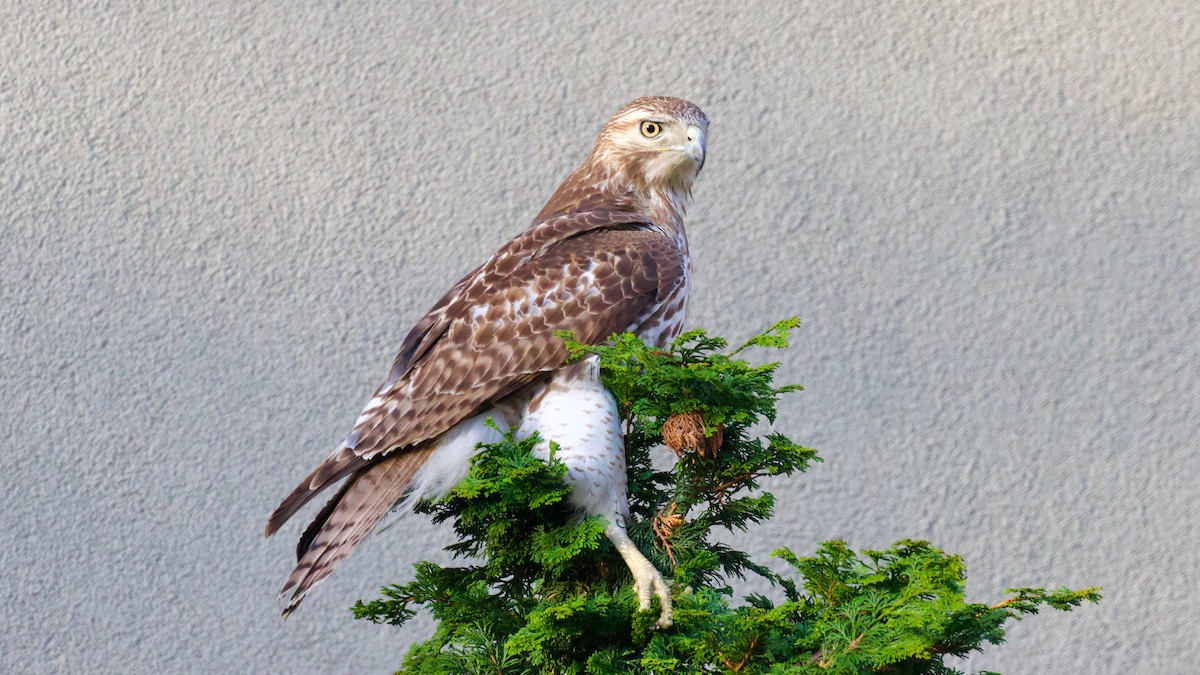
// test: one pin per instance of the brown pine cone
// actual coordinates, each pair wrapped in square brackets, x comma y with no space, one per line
[685,431]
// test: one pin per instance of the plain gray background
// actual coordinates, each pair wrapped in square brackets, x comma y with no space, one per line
[218,221]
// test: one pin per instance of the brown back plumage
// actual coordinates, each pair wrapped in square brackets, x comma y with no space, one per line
[493,334]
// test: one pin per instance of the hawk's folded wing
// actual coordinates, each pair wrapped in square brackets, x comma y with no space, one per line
[594,274]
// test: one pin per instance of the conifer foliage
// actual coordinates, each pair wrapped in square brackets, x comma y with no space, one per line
[541,590]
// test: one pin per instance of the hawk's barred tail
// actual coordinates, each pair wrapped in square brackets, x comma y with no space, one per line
[338,466]
[352,513]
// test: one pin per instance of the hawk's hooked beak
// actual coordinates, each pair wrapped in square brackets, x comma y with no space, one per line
[694,149]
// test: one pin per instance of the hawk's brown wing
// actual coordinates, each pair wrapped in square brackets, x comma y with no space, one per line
[492,337]
[594,274]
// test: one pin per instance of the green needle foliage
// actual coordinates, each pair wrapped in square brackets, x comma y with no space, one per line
[541,589]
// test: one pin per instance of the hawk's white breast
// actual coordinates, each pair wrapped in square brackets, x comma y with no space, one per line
[576,412]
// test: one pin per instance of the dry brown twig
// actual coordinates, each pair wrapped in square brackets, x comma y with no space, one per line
[664,526]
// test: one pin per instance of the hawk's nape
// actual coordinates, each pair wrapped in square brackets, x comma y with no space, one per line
[607,254]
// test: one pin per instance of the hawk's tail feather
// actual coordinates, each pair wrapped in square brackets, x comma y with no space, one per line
[319,520]
[339,465]
[353,512]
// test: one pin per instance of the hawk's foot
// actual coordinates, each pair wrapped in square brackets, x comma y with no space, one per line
[647,581]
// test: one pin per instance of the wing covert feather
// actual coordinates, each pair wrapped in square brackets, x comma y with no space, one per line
[593,274]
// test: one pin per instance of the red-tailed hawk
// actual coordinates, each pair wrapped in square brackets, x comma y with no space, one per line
[607,254]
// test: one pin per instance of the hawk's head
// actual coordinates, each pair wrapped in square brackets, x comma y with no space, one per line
[655,143]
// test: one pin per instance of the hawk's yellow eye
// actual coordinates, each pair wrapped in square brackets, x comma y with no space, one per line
[651,129]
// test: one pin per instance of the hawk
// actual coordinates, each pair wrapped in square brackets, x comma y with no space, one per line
[607,254]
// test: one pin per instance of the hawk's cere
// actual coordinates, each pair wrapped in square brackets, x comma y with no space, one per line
[607,254]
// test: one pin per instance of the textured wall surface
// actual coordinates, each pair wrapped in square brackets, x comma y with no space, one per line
[216,224]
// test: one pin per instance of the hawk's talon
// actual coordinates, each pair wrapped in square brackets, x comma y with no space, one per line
[657,587]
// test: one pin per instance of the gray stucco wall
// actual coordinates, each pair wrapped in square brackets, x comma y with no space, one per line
[217,222]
